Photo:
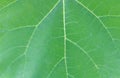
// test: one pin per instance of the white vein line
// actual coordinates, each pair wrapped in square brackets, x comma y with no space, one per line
[16,28]
[109,16]
[71,75]
[9,5]
[85,52]
[72,22]
[97,18]
[21,27]
[116,39]
[30,39]
[14,60]
[118,28]
[10,49]
[97,6]
[66,68]
[55,67]
[17,58]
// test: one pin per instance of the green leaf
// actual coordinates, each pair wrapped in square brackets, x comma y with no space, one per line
[59,39]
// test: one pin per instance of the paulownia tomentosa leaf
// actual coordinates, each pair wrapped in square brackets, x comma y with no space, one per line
[59,38]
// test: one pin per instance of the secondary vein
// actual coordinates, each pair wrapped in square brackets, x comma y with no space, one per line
[36,27]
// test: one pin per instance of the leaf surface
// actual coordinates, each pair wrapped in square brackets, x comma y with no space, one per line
[59,39]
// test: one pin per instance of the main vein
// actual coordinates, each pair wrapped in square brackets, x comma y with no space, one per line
[66,68]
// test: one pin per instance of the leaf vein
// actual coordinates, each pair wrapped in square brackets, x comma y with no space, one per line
[56,64]
[64,27]
[85,52]
[11,3]
[31,37]
[97,18]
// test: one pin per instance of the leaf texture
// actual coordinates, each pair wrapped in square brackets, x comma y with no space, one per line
[59,39]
